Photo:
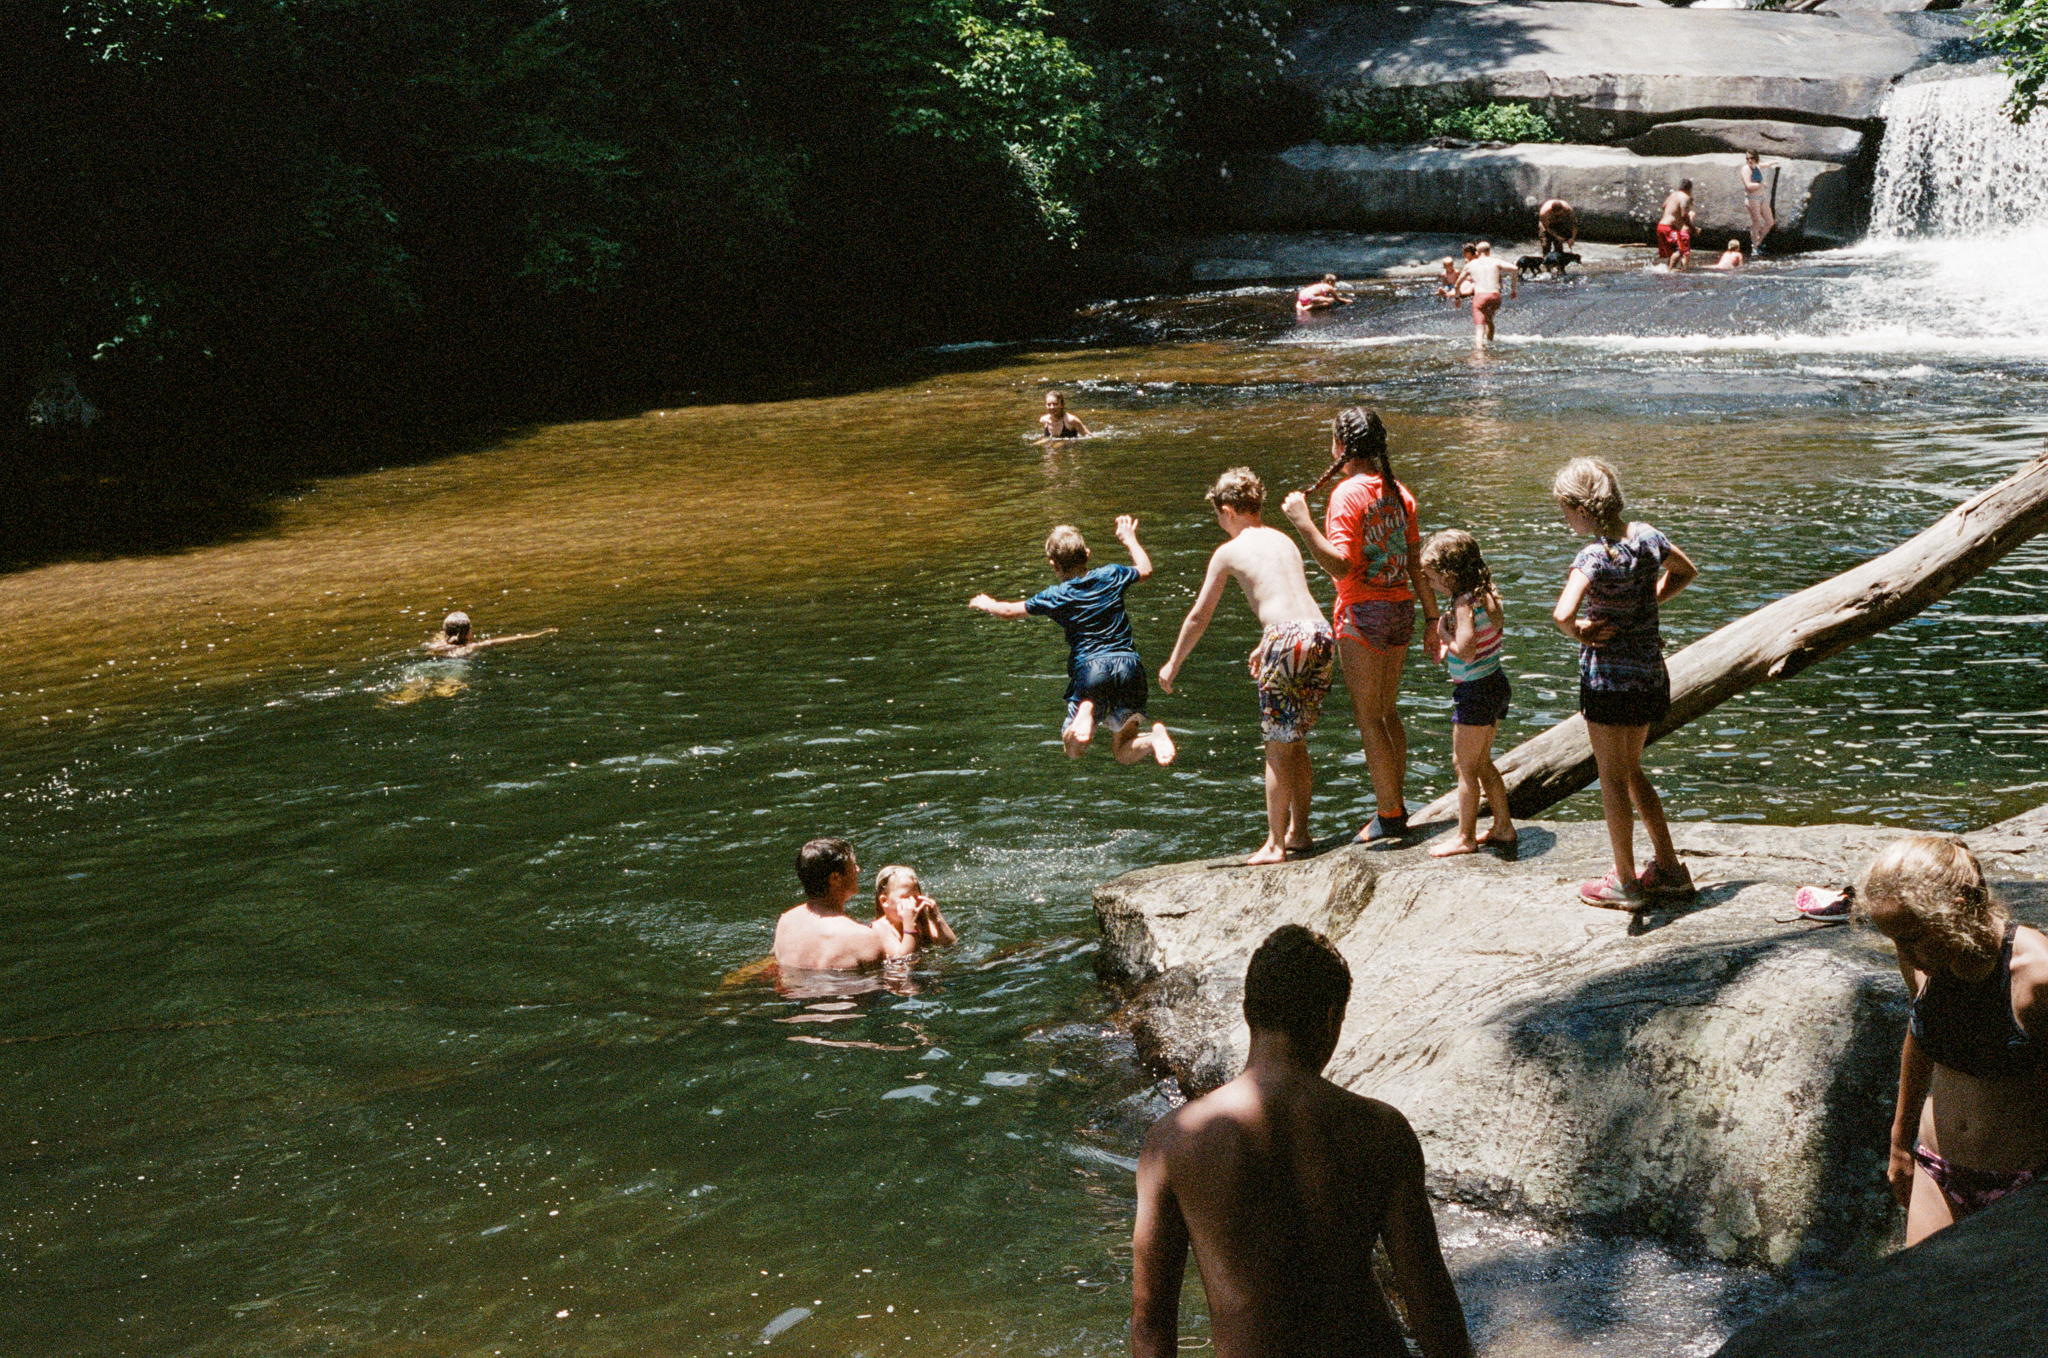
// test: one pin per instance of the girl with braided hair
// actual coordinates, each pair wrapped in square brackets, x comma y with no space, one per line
[1371,545]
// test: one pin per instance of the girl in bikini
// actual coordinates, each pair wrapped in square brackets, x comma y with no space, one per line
[1972,1118]
[1761,220]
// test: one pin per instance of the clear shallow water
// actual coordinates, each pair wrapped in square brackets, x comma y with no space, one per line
[342,1015]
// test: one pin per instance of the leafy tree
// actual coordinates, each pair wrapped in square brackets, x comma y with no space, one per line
[2019,29]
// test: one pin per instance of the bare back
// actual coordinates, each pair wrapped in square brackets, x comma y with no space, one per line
[1485,272]
[811,938]
[1677,209]
[1284,1184]
[1267,566]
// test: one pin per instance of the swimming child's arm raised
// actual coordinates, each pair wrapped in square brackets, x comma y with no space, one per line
[1127,534]
[523,636]
[998,608]
[1197,620]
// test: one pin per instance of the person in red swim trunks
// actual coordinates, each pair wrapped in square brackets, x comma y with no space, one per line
[1674,228]
[1484,272]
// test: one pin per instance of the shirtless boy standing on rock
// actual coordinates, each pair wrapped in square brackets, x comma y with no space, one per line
[817,934]
[1293,661]
[1282,1182]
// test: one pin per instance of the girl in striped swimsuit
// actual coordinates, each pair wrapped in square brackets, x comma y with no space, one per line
[1467,640]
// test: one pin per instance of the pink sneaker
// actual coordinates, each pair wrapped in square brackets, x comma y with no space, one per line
[1611,893]
[1675,886]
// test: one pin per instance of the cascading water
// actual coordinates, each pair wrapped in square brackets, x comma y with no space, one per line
[1953,164]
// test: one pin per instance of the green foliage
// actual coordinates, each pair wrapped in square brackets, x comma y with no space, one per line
[269,200]
[1409,116]
[2019,30]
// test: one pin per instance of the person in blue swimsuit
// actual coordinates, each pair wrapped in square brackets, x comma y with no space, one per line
[1105,677]
[1758,201]
[1972,1118]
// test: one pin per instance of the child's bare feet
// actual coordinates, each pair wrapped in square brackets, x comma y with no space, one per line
[1081,729]
[1454,846]
[1269,852]
[1162,743]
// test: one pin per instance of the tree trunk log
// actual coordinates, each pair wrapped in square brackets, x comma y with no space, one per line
[1783,638]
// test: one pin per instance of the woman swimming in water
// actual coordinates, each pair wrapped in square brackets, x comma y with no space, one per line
[1056,423]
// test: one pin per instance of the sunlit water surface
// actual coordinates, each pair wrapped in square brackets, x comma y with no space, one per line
[360,1004]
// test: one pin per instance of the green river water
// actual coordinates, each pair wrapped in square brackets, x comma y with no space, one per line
[357,1004]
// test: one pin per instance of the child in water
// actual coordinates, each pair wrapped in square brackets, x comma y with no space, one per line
[1105,678]
[1467,640]
[1056,423]
[455,640]
[1621,577]
[905,918]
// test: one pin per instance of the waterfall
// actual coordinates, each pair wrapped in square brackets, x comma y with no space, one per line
[1953,165]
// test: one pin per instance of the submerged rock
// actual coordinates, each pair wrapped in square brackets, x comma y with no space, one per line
[1720,1073]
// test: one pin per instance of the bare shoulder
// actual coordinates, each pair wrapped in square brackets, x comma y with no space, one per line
[2030,978]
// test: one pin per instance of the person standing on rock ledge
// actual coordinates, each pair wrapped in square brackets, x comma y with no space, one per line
[1283,1183]
[1972,1118]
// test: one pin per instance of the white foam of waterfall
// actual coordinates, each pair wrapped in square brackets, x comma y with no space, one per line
[1954,165]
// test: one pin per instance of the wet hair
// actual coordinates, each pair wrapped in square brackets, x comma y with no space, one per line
[1066,548]
[454,623]
[1454,554]
[1059,396]
[819,861]
[886,878]
[1939,882]
[1590,486]
[1293,982]
[1329,278]
[1240,489]
[1685,186]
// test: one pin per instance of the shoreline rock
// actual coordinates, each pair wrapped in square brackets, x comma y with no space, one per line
[1714,1074]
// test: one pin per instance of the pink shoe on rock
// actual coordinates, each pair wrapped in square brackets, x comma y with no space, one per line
[1611,893]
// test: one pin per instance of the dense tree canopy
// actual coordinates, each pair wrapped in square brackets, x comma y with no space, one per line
[2019,28]
[249,204]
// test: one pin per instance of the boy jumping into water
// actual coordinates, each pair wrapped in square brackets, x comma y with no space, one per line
[1105,678]
[1293,662]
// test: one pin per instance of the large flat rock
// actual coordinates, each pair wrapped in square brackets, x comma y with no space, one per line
[1975,1290]
[1617,193]
[1708,1074]
[1605,72]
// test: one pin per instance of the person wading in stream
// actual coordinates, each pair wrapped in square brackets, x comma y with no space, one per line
[1373,548]
[1283,1183]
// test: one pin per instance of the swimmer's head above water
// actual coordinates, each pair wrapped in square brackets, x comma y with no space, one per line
[455,627]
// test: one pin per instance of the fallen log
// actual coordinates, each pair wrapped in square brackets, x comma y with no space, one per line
[1783,638]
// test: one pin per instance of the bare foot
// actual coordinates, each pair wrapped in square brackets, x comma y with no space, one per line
[1451,848]
[1081,730]
[1162,743]
[1269,852]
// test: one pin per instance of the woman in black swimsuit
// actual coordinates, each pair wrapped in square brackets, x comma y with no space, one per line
[1972,1119]
[1056,423]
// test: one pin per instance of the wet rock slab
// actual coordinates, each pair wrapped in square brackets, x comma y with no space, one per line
[1716,1073]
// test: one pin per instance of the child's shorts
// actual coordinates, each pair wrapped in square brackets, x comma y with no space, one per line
[1480,702]
[1629,707]
[1115,680]
[1383,624]
[1293,666]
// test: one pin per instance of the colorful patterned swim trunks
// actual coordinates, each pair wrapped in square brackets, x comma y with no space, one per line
[1293,665]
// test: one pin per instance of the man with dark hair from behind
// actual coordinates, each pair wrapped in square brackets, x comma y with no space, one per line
[816,933]
[1282,1182]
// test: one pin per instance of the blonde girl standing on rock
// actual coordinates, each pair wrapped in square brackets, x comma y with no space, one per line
[1621,576]
[1468,641]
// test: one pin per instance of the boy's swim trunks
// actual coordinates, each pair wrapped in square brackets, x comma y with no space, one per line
[1115,681]
[1293,666]
[1672,240]
[1383,624]
[1485,305]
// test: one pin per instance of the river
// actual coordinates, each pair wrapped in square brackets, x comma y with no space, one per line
[357,1003]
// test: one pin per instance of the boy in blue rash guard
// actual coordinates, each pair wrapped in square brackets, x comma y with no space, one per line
[1105,678]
